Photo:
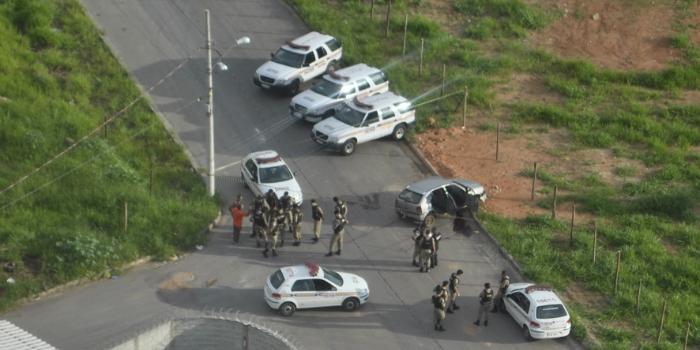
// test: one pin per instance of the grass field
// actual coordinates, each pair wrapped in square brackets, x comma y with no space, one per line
[58,81]
[641,115]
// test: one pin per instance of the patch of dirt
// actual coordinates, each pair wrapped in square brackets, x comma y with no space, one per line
[443,12]
[612,33]
[524,87]
[587,298]
[509,191]
[179,280]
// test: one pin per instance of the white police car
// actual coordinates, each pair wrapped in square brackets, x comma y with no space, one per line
[538,311]
[322,99]
[363,120]
[300,60]
[265,170]
[312,286]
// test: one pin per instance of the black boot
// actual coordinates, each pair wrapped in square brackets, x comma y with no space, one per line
[441,329]
[329,254]
[274,252]
[297,243]
[337,252]
[477,322]
[449,311]
[315,240]
[265,253]
[455,306]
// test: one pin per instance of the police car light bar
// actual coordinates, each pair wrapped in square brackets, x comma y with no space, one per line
[313,268]
[337,76]
[538,288]
[276,158]
[362,104]
[297,46]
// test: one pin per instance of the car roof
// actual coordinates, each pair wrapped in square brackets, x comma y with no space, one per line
[307,42]
[268,158]
[539,294]
[302,271]
[428,184]
[350,74]
[378,101]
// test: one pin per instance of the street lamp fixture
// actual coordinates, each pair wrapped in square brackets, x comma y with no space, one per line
[222,67]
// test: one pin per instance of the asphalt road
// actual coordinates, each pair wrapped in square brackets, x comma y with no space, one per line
[151,37]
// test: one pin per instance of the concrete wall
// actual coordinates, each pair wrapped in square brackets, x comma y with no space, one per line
[204,334]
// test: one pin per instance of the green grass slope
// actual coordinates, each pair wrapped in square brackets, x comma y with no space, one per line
[58,81]
[637,114]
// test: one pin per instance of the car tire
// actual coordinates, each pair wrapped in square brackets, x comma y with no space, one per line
[350,304]
[287,309]
[526,334]
[399,132]
[349,147]
[294,87]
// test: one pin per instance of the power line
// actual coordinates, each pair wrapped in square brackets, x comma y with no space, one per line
[74,169]
[95,130]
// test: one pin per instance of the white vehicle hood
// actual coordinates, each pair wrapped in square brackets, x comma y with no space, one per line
[353,283]
[332,127]
[291,186]
[311,100]
[276,71]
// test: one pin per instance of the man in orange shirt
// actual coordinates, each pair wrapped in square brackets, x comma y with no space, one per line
[238,214]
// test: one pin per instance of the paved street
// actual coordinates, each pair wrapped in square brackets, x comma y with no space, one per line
[151,37]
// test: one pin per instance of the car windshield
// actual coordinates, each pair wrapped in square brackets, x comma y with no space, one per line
[350,116]
[333,277]
[288,58]
[275,174]
[551,311]
[277,278]
[410,196]
[327,88]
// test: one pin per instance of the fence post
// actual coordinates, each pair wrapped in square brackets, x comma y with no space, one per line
[554,203]
[405,30]
[126,216]
[534,178]
[571,231]
[371,10]
[661,324]
[639,297]
[444,73]
[420,67]
[595,241]
[105,126]
[388,14]
[498,137]
[464,108]
[687,333]
[617,270]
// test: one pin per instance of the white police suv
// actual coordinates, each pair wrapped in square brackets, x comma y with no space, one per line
[312,286]
[538,311]
[363,120]
[300,60]
[324,97]
[265,170]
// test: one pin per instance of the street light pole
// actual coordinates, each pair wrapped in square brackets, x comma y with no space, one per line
[210,111]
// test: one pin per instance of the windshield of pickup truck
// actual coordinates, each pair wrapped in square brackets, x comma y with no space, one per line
[350,116]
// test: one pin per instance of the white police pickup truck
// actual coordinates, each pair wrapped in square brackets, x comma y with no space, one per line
[359,121]
[300,60]
[322,100]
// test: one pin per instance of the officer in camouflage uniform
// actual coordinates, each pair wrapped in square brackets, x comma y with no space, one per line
[285,203]
[454,291]
[485,304]
[260,224]
[273,233]
[338,232]
[439,306]
[427,248]
[317,216]
[498,303]
[296,218]
[340,207]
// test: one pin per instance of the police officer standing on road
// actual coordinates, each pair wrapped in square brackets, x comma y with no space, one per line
[498,303]
[338,231]
[317,215]
[273,232]
[285,203]
[258,207]
[437,236]
[427,246]
[417,238]
[439,306]
[296,218]
[341,207]
[271,199]
[454,291]
[485,301]
[260,224]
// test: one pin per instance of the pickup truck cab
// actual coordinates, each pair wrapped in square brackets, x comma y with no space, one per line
[298,61]
[359,121]
[323,99]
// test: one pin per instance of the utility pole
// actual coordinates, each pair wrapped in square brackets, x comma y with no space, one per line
[210,111]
